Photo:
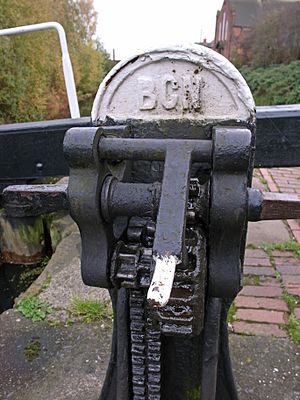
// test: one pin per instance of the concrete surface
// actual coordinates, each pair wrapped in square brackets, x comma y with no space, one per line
[267,232]
[60,282]
[40,361]
[70,362]
[265,368]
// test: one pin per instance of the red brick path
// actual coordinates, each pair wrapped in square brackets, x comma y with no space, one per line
[285,180]
[260,307]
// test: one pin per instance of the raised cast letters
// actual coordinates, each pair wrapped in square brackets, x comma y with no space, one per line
[147,93]
[170,92]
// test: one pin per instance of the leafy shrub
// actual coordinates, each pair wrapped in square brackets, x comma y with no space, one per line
[278,84]
[34,308]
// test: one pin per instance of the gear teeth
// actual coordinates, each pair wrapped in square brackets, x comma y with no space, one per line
[138,345]
[153,337]
[145,345]
[182,316]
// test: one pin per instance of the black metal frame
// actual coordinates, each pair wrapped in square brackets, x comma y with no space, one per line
[88,152]
[35,149]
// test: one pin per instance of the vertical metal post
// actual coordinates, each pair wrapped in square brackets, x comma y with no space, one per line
[66,61]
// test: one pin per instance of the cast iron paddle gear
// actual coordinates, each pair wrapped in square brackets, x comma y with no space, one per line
[160,188]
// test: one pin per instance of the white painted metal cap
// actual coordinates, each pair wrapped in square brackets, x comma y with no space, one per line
[174,83]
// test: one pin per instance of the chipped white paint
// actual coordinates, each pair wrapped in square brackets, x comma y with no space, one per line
[162,281]
[174,83]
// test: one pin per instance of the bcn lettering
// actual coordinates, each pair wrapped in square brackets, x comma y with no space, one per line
[170,92]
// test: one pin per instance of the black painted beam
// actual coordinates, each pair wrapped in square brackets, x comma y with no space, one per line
[278,136]
[34,149]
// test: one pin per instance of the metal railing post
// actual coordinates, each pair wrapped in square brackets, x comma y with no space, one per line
[66,61]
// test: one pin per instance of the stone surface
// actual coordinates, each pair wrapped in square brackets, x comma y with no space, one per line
[264,271]
[285,180]
[297,313]
[288,270]
[257,182]
[66,282]
[285,254]
[296,234]
[266,368]
[261,291]
[268,178]
[255,253]
[283,261]
[253,261]
[68,363]
[64,278]
[265,316]
[269,281]
[71,362]
[295,291]
[267,232]
[260,302]
[291,280]
[258,329]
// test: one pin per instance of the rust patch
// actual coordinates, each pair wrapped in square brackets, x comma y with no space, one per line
[13,258]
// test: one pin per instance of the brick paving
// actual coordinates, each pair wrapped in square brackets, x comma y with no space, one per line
[270,278]
[284,180]
[260,306]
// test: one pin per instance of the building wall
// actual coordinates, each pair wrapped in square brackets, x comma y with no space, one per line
[237,53]
[228,36]
[223,32]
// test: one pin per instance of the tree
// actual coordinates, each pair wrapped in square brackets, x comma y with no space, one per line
[31,79]
[275,39]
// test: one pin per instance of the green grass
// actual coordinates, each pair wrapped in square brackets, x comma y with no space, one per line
[44,261]
[29,274]
[278,278]
[231,313]
[32,350]
[90,310]
[292,301]
[293,328]
[293,325]
[253,280]
[34,308]
[194,394]
[290,245]
[264,182]
[47,281]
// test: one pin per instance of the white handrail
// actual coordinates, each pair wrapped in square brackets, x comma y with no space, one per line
[66,62]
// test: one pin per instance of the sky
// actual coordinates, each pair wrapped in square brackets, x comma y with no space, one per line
[128,26]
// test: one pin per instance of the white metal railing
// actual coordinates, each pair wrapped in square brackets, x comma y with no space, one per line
[66,62]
